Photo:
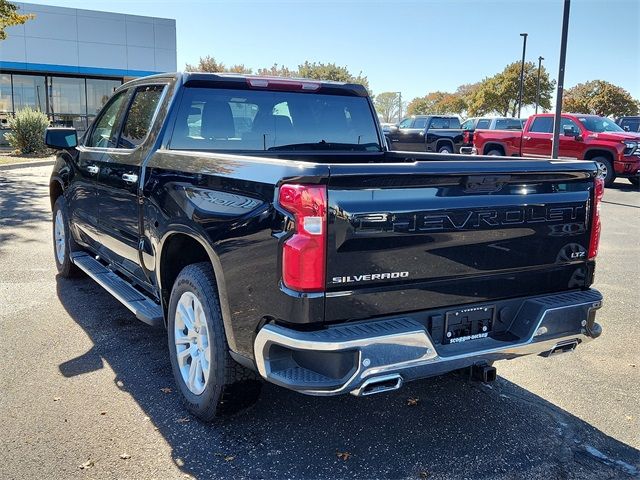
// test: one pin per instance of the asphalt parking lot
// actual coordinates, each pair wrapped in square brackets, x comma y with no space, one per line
[86,390]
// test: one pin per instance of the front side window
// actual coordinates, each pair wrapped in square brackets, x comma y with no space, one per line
[256,120]
[406,123]
[568,123]
[420,123]
[140,115]
[104,130]
[467,125]
[599,124]
[542,125]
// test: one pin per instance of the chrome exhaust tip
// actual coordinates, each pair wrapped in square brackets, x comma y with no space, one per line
[563,347]
[382,384]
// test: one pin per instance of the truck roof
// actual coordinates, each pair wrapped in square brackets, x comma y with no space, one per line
[236,80]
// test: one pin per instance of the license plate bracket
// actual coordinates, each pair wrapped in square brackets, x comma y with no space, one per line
[468,324]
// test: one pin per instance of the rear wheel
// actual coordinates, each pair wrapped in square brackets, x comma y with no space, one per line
[445,149]
[606,170]
[495,153]
[210,381]
[635,181]
[63,243]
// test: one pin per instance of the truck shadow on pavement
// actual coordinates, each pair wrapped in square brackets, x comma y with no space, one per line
[21,204]
[455,429]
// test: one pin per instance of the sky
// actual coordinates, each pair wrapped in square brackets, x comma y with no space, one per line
[412,47]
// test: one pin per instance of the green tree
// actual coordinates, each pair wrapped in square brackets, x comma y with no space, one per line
[600,98]
[277,71]
[387,105]
[9,17]
[438,103]
[211,65]
[330,71]
[499,94]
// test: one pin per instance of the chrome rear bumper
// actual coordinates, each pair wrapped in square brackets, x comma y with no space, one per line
[351,357]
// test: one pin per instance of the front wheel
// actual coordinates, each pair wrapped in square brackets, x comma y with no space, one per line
[210,381]
[606,170]
[63,242]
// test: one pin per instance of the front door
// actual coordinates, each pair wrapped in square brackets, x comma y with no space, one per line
[119,180]
[95,151]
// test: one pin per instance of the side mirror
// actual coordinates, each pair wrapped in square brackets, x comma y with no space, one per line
[61,138]
[569,132]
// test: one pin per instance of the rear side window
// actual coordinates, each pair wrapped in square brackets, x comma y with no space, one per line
[256,120]
[542,125]
[483,123]
[140,115]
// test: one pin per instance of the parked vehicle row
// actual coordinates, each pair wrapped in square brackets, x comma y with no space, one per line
[266,226]
[584,137]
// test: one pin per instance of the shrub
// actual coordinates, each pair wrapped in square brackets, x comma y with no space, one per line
[27,131]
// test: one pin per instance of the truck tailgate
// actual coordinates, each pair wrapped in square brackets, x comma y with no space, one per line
[408,237]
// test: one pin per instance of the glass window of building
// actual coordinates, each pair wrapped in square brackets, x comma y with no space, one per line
[68,102]
[29,92]
[6,104]
[98,93]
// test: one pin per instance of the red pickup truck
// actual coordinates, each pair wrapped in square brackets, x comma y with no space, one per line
[584,137]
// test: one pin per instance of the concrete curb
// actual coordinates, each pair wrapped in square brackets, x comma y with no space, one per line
[37,163]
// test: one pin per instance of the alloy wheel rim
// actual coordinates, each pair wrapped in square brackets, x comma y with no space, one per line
[193,351]
[603,169]
[59,237]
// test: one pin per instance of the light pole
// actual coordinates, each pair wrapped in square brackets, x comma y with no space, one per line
[399,105]
[563,57]
[524,51]
[538,85]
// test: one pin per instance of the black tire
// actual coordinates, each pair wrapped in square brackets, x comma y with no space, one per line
[66,268]
[445,149]
[635,181]
[229,387]
[606,165]
[495,153]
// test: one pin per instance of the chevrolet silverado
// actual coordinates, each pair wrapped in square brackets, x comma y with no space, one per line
[263,223]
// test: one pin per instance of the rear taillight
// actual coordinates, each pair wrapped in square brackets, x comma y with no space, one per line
[466,137]
[282,84]
[598,192]
[303,255]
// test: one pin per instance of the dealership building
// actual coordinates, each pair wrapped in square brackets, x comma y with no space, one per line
[66,62]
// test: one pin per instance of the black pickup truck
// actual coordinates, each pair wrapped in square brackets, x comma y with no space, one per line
[426,133]
[264,224]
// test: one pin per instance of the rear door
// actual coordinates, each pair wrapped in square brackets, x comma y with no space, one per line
[537,141]
[432,234]
[119,179]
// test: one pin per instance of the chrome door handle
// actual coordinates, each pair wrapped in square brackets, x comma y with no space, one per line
[526,138]
[130,177]
[92,169]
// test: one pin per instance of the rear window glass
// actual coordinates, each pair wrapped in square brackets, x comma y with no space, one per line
[508,124]
[441,123]
[254,120]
